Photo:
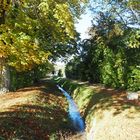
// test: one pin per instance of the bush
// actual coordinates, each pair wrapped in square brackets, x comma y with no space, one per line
[134,79]
[28,78]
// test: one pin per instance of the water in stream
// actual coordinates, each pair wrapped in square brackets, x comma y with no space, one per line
[75,116]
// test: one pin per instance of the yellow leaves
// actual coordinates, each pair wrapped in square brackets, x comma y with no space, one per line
[25,55]
[135,4]
[59,16]
[44,22]
[4,50]
[64,17]
[4,5]
[133,40]
[44,7]
[116,31]
[27,61]
[20,49]
[4,47]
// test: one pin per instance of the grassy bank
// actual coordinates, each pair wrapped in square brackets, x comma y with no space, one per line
[34,113]
[40,112]
[104,107]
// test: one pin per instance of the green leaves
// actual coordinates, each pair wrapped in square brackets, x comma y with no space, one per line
[33,29]
[44,8]
[111,56]
[65,19]
[134,79]
[134,39]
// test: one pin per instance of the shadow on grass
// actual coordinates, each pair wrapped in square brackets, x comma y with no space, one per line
[37,121]
[107,99]
[98,98]
[46,85]
[32,122]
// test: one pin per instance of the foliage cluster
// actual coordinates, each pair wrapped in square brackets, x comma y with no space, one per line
[60,74]
[111,56]
[33,32]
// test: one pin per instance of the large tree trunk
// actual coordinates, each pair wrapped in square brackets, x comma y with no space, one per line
[4,76]
[4,69]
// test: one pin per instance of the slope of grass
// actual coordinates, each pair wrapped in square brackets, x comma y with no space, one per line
[104,108]
[33,113]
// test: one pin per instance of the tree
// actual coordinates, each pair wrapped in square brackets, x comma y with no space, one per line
[60,74]
[125,11]
[110,56]
[4,70]
[31,31]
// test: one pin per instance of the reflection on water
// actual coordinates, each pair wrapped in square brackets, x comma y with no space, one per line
[73,112]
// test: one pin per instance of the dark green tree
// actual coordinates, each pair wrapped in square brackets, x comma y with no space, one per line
[60,74]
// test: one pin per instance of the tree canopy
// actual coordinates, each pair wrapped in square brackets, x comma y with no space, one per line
[32,30]
[111,55]
[126,11]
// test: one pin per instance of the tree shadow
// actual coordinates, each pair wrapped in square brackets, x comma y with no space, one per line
[48,86]
[99,98]
[36,121]
[107,99]
[32,122]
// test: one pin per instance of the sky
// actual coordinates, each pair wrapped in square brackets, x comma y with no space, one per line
[83,24]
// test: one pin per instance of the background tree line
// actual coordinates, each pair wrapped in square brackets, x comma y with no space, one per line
[112,54]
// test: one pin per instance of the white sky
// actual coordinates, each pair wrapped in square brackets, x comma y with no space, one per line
[83,24]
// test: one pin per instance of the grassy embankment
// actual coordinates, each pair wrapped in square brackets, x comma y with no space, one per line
[40,112]
[107,112]
[33,113]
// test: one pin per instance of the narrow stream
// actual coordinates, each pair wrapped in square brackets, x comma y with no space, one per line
[75,116]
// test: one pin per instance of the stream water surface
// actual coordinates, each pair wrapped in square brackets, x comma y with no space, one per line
[74,114]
